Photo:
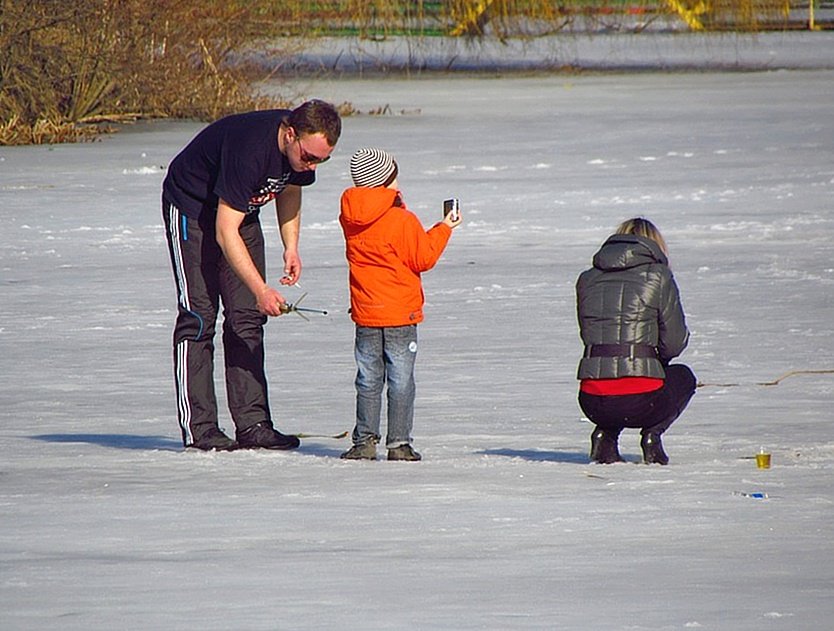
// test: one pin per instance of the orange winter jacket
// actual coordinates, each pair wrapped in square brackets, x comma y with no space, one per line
[387,248]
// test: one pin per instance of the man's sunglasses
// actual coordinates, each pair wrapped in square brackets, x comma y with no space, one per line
[309,158]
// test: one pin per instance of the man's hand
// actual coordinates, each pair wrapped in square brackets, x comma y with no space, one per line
[292,267]
[270,302]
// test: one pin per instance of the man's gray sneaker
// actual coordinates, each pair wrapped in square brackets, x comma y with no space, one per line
[404,452]
[362,451]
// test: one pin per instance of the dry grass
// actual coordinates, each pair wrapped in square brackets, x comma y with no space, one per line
[64,63]
[69,61]
[746,15]
[511,18]
[43,131]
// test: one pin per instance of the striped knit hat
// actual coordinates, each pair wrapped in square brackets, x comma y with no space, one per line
[370,167]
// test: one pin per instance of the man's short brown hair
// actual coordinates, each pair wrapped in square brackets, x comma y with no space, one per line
[316,117]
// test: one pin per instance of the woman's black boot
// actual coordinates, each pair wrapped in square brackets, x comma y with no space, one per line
[653,449]
[604,448]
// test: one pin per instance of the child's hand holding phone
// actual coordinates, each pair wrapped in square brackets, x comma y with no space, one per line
[451,212]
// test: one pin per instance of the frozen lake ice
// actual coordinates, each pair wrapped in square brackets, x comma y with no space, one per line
[105,522]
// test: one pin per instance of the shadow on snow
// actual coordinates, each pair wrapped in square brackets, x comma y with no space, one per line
[162,443]
[536,455]
[133,442]
[115,441]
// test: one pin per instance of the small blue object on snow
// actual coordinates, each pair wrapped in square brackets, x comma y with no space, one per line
[758,495]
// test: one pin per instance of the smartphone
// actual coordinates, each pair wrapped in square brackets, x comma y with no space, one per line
[452,206]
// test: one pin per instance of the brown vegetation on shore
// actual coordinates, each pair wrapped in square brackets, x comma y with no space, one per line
[68,67]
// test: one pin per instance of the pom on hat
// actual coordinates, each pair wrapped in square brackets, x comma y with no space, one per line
[372,167]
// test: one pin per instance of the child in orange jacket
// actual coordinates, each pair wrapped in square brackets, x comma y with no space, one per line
[387,248]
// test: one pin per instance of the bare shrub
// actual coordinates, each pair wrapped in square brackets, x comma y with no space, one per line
[69,61]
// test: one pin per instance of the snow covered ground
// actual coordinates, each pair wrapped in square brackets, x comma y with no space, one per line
[106,523]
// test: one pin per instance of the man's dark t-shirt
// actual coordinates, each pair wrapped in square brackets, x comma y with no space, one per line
[235,158]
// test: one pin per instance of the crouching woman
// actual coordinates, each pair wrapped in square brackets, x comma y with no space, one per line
[632,324]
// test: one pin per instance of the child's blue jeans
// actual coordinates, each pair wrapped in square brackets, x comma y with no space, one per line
[385,355]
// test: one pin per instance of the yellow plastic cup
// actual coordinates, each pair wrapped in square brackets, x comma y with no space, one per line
[763,461]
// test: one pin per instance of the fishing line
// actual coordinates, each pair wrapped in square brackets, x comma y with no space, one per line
[775,382]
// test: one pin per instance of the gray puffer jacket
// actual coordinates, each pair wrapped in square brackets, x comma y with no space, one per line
[629,300]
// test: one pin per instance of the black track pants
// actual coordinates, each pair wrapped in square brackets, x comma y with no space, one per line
[204,279]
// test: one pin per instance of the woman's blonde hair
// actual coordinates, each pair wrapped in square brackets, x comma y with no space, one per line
[643,228]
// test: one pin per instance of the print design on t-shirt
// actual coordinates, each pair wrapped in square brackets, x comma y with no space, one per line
[268,192]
